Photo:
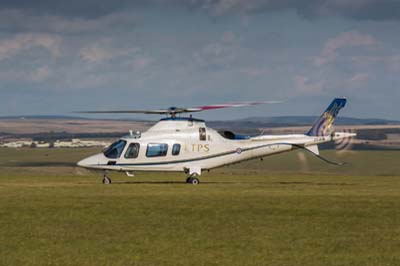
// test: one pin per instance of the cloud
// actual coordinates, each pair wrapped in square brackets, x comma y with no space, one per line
[359,78]
[40,74]
[220,53]
[394,63]
[140,63]
[135,47]
[359,9]
[343,40]
[354,9]
[95,54]
[304,85]
[20,42]
[22,20]
[256,71]
[215,55]
[102,50]
[71,8]
[28,76]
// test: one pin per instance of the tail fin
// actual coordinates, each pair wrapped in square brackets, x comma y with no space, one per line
[323,125]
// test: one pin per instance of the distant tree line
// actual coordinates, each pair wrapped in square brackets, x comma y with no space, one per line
[53,136]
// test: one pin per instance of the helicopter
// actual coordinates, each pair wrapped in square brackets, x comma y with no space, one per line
[186,144]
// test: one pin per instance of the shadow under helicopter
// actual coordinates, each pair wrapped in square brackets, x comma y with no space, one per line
[229,183]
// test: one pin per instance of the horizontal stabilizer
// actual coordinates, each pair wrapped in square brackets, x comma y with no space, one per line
[342,135]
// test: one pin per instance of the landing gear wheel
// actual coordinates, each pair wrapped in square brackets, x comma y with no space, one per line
[188,179]
[106,180]
[194,180]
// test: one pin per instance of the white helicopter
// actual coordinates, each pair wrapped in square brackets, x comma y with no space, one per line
[186,144]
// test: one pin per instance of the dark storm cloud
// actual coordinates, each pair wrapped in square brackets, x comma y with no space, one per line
[356,9]
[352,9]
[79,8]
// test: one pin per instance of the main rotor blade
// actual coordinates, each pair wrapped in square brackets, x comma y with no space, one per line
[178,110]
[228,105]
[160,112]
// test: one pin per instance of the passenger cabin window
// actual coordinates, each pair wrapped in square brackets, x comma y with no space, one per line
[132,151]
[156,149]
[202,133]
[115,149]
[176,149]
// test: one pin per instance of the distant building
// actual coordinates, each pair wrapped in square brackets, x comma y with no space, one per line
[74,143]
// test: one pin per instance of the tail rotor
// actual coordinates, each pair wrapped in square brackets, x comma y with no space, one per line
[345,144]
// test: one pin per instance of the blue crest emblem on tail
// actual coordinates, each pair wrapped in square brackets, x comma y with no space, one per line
[323,125]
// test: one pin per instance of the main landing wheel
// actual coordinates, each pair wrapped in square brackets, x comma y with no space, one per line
[106,180]
[193,180]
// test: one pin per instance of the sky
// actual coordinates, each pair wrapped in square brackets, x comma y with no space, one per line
[58,57]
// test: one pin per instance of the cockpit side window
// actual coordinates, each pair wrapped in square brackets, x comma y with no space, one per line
[115,149]
[133,151]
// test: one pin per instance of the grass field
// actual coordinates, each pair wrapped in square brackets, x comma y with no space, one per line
[281,211]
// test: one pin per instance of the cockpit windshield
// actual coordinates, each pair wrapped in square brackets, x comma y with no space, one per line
[115,149]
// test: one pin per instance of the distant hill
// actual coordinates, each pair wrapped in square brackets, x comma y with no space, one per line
[307,120]
[63,117]
[250,122]
[284,121]
[46,117]
[371,133]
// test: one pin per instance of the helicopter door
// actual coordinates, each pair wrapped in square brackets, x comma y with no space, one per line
[202,134]
[133,151]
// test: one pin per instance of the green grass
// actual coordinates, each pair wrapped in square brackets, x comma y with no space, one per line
[275,212]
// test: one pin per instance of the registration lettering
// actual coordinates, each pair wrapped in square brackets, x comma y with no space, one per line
[200,147]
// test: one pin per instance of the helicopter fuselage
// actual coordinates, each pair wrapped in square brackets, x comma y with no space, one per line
[188,145]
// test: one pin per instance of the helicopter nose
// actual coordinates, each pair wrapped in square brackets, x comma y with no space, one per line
[84,162]
[90,161]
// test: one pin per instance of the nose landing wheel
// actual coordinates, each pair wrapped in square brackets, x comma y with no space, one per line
[106,180]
